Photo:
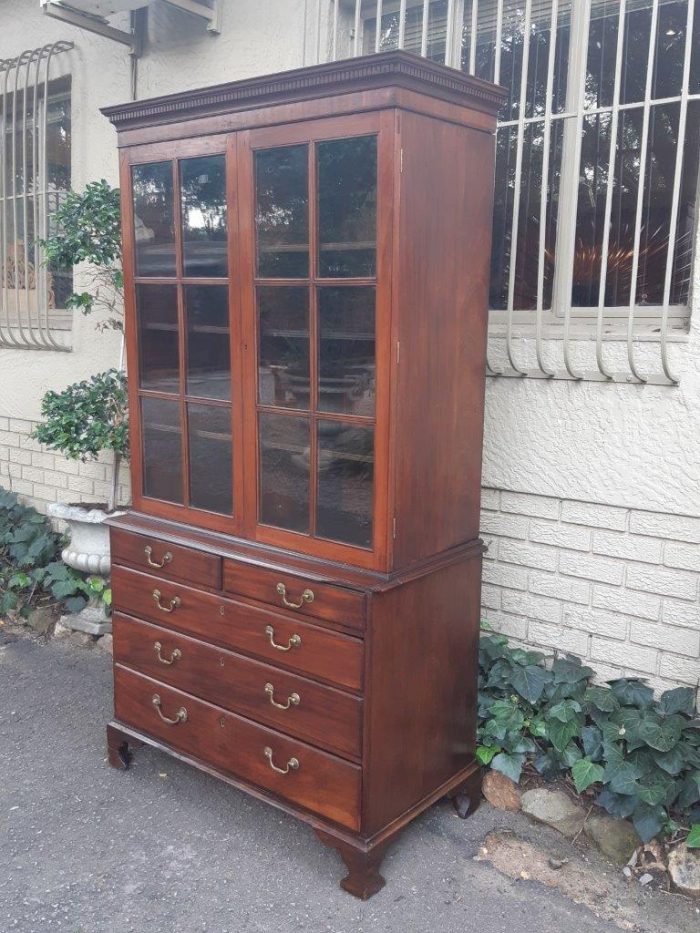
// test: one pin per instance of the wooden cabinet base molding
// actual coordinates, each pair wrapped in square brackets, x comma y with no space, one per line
[297,587]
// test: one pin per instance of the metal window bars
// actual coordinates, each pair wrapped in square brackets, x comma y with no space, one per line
[556,337]
[28,319]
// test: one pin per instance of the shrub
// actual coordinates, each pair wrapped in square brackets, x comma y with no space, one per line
[639,756]
[31,572]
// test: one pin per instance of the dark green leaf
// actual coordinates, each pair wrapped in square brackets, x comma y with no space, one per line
[648,821]
[661,734]
[602,698]
[530,681]
[632,691]
[585,772]
[561,733]
[693,840]
[510,765]
[679,700]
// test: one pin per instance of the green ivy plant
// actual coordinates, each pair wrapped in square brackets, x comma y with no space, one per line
[638,756]
[31,573]
[87,231]
[87,418]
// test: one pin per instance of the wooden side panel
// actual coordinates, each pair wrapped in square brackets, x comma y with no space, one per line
[440,304]
[421,680]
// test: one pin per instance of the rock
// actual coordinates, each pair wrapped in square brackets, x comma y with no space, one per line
[106,643]
[81,640]
[556,864]
[41,620]
[617,839]
[61,630]
[91,620]
[555,809]
[501,791]
[684,869]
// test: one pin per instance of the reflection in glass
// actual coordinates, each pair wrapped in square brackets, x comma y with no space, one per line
[282,212]
[208,348]
[345,483]
[347,207]
[210,458]
[156,313]
[284,472]
[154,228]
[346,350]
[162,449]
[283,352]
[203,188]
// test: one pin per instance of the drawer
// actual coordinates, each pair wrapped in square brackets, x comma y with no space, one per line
[169,561]
[277,639]
[293,704]
[320,782]
[306,597]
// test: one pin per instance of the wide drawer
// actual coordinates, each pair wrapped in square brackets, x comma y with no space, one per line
[169,561]
[283,641]
[284,590]
[298,706]
[309,777]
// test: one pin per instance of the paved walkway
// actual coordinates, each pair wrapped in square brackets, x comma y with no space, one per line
[164,849]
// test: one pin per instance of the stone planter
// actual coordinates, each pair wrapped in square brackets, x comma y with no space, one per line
[87,551]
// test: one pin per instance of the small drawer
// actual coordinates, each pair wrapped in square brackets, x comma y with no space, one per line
[304,775]
[321,715]
[277,639]
[170,561]
[285,591]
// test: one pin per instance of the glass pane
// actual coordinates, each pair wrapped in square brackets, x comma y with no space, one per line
[670,48]
[156,310]
[282,212]
[203,189]
[602,54]
[635,54]
[208,348]
[284,472]
[413,29]
[347,206]
[283,353]
[154,228]
[345,483]
[162,449]
[346,350]
[685,234]
[211,477]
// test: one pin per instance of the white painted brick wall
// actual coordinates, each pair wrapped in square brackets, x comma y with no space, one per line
[41,476]
[618,587]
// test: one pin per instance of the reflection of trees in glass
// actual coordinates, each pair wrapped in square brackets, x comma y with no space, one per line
[203,187]
[282,211]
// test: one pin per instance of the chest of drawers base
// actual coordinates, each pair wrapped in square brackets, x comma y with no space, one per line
[318,690]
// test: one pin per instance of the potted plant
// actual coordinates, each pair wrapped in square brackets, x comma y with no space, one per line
[83,420]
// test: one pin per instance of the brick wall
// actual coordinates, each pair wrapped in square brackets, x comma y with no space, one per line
[618,587]
[41,476]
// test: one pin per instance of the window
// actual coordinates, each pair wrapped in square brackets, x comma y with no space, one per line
[35,172]
[597,146]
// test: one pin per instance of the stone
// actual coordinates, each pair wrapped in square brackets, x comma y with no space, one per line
[684,869]
[61,630]
[106,643]
[555,809]
[91,619]
[81,640]
[616,839]
[41,620]
[501,791]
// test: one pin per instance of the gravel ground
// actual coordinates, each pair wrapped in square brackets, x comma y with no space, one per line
[163,848]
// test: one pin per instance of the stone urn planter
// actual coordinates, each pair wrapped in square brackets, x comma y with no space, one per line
[88,551]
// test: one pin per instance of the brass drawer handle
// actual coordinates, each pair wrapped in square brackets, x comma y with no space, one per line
[174,602]
[175,655]
[294,641]
[292,764]
[180,716]
[292,700]
[167,557]
[306,597]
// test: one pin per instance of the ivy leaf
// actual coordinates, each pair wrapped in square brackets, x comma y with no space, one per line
[661,734]
[566,711]
[618,805]
[648,821]
[632,691]
[75,603]
[530,681]
[680,700]
[621,775]
[585,772]
[671,762]
[690,791]
[485,753]
[569,670]
[510,765]
[655,790]
[592,741]
[561,733]
[602,698]
[693,840]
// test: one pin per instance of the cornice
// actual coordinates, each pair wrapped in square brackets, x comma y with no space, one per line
[396,68]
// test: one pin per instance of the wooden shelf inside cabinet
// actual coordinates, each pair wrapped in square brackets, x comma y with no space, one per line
[297,590]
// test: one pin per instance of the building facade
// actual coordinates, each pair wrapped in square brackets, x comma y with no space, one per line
[591,499]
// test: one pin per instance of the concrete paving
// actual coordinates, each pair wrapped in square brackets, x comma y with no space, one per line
[163,848]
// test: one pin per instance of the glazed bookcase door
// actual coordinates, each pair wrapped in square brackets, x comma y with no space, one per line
[316,310]
[182,331]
